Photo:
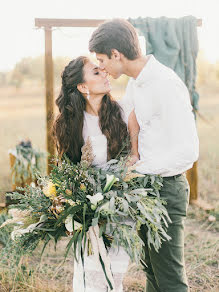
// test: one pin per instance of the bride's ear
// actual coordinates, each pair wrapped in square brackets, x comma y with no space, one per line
[82,88]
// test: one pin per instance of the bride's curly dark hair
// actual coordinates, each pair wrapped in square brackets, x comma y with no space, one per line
[68,126]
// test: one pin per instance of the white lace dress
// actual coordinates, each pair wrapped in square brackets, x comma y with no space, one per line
[94,276]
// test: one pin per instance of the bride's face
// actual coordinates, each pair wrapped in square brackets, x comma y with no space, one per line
[96,80]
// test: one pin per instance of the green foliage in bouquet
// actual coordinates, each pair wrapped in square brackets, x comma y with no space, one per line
[4,233]
[91,196]
[81,202]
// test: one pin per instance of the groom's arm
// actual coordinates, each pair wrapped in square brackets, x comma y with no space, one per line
[133,128]
[127,104]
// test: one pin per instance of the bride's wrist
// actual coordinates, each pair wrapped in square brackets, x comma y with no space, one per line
[135,155]
[133,158]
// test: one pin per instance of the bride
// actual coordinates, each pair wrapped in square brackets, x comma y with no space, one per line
[87,110]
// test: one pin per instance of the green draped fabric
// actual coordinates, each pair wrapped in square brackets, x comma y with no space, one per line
[173,42]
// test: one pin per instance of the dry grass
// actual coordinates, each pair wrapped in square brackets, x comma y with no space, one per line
[23,115]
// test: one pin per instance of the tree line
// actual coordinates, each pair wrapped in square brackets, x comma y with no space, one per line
[32,70]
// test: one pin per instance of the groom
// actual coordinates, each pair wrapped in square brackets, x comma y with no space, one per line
[159,114]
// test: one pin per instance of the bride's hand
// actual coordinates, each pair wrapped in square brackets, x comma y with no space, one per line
[132,160]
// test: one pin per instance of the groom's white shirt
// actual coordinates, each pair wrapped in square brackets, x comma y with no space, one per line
[167,142]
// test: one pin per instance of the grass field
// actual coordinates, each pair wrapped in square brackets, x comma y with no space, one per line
[22,115]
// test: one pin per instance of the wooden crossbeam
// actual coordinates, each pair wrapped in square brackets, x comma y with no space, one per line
[56,22]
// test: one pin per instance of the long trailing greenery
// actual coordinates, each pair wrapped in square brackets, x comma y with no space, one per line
[4,233]
[73,199]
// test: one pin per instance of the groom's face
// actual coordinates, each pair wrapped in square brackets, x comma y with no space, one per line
[111,65]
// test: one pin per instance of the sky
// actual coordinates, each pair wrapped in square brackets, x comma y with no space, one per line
[20,38]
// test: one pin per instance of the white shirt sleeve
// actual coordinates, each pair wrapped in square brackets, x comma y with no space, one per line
[180,119]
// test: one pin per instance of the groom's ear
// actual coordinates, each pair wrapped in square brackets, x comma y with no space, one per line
[115,54]
[82,88]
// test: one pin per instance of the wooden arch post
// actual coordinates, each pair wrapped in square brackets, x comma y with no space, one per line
[49,96]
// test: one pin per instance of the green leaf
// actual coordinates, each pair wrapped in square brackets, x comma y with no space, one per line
[95,221]
[71,241]
[112,203]
[80,239]
[84,214]
[152,179]
[125,205]
[102,229]
[75,244]
[44,246]
[125,185]
[145,181]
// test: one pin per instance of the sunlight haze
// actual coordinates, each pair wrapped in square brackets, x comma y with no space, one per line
[20,38]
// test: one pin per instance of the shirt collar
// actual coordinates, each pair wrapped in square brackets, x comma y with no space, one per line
[147,72]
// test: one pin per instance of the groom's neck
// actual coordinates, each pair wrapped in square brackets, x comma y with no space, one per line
[132,68]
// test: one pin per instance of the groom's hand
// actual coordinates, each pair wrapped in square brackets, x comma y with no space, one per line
[134,128]
[132,160]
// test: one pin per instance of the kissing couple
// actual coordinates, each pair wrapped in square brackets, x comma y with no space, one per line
[156,114]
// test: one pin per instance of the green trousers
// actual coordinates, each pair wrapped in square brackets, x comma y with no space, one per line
[165,270]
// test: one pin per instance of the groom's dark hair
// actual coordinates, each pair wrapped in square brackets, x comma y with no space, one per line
[116,34]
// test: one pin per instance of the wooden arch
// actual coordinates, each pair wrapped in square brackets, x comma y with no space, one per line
[48,24]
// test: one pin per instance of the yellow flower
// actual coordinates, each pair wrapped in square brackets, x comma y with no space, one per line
[59,209]
[72,203]
[68,192]
[130,175]
[83,187]
[50,190]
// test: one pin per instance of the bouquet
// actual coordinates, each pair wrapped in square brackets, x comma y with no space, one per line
[96,208]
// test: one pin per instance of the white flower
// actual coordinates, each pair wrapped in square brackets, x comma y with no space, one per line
[18,216]
[110,180]
[43,218]
[17,232]
[95,199]
[105,207]
[69,225]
